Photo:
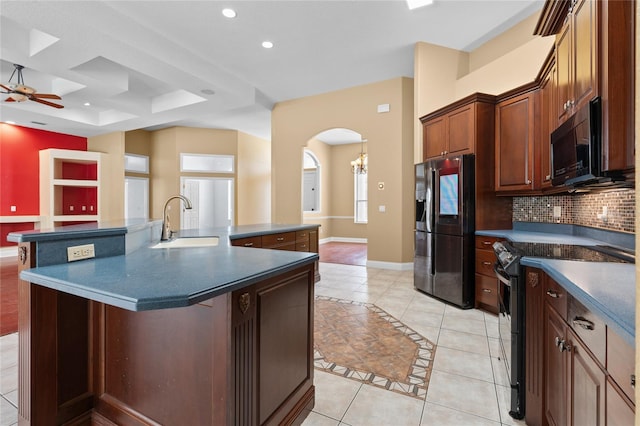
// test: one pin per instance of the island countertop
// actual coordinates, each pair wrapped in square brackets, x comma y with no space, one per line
[607,289]
[147,279]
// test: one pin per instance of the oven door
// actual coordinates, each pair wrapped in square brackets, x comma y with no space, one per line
[504,318]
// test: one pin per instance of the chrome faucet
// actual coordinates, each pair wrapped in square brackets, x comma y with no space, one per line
[166,228]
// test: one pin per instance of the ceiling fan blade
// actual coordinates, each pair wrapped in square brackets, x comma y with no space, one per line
[51,104]
[5,88]
[46,96]
[9,100]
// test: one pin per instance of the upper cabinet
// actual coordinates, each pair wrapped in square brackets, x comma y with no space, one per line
[453,130]
[517,131]
[548,117]
[577,58]
[594,56]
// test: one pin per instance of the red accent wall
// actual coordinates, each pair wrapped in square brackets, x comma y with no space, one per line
[19,168]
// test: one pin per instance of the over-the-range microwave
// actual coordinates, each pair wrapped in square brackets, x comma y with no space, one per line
[576,147]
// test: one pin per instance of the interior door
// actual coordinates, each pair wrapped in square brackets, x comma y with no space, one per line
[212,200]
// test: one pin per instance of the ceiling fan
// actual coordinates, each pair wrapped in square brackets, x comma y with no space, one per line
[18,92]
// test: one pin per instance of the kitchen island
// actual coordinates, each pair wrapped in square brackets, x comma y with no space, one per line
[141,335]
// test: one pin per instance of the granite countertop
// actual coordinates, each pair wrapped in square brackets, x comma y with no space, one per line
[147,278]
[607,289]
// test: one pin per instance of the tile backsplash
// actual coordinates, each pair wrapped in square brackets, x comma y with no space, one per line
[584,209]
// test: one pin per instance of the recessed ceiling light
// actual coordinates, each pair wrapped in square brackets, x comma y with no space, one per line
[267,44]
[229,13]
[87,104]
[414,4]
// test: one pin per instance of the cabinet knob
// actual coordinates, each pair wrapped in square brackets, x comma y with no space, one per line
[487,263]
[528,181]
[562,345]
[486,243]
[248,244]
[486,290]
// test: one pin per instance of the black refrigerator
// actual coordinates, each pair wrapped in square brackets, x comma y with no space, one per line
[444,262]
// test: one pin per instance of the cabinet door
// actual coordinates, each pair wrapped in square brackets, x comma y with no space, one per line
[461,131]
[434,134]
[584,47]
[586,386]
[548,123]
[515,121]
[620,411]
[555,369]
[563,70]
[534,344]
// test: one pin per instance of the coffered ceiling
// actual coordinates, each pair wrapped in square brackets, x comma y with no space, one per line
[155,64]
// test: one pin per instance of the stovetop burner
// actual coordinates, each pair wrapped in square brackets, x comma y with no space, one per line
[574,252]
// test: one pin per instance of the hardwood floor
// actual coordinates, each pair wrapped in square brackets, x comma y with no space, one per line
[345,253]
[8,295]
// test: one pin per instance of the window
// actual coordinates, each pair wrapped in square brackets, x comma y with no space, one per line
[205,163]
[136,163]
[360,197]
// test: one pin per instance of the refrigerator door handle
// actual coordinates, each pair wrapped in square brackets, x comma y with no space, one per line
[433,254]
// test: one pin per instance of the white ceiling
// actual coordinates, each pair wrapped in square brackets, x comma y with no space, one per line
[145,64]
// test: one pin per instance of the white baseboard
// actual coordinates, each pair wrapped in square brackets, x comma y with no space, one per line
[343,240]
[390,265]
[10,251]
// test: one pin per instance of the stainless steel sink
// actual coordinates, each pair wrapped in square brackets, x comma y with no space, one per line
[188,242]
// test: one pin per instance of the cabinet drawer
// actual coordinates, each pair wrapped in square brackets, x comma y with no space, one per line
[588,327]
[255,242]
[302,246]
[621,363]
[555,296]
[274,240]
[485,243]
[487,291]
[302,236]
[484,262]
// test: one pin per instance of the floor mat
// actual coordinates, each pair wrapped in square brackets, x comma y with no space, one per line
[362,342]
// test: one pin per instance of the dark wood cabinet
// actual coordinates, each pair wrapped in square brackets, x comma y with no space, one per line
[487,285]
[555,368]
[577,371]
[577,58]
[594,56]
[458,128]
[548,118]
[517,131]
[586,384]
[534,344]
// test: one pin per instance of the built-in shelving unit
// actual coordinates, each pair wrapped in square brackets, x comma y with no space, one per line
[70,189]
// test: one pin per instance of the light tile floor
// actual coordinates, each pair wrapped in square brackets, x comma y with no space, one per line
[468,386]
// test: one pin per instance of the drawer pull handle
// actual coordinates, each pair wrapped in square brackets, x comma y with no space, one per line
[553,294]
[248,244]
[486,243]
[562,345]
[486,290]
[487,263]
[633,381]
[280,239]
[584,323]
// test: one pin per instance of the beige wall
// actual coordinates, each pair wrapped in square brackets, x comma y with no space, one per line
[443,75]
[254,180]
[113,168]
[295,122]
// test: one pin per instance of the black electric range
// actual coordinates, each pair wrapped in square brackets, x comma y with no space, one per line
[512,304]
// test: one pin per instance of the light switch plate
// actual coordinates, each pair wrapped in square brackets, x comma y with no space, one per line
[86,251]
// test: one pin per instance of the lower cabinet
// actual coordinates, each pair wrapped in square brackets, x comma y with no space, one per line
[578,371]
[486,283]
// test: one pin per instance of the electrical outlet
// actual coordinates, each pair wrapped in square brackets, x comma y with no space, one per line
[557,212]
[86,251]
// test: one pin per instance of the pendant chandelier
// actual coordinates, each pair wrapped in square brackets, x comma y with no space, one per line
[359,165]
